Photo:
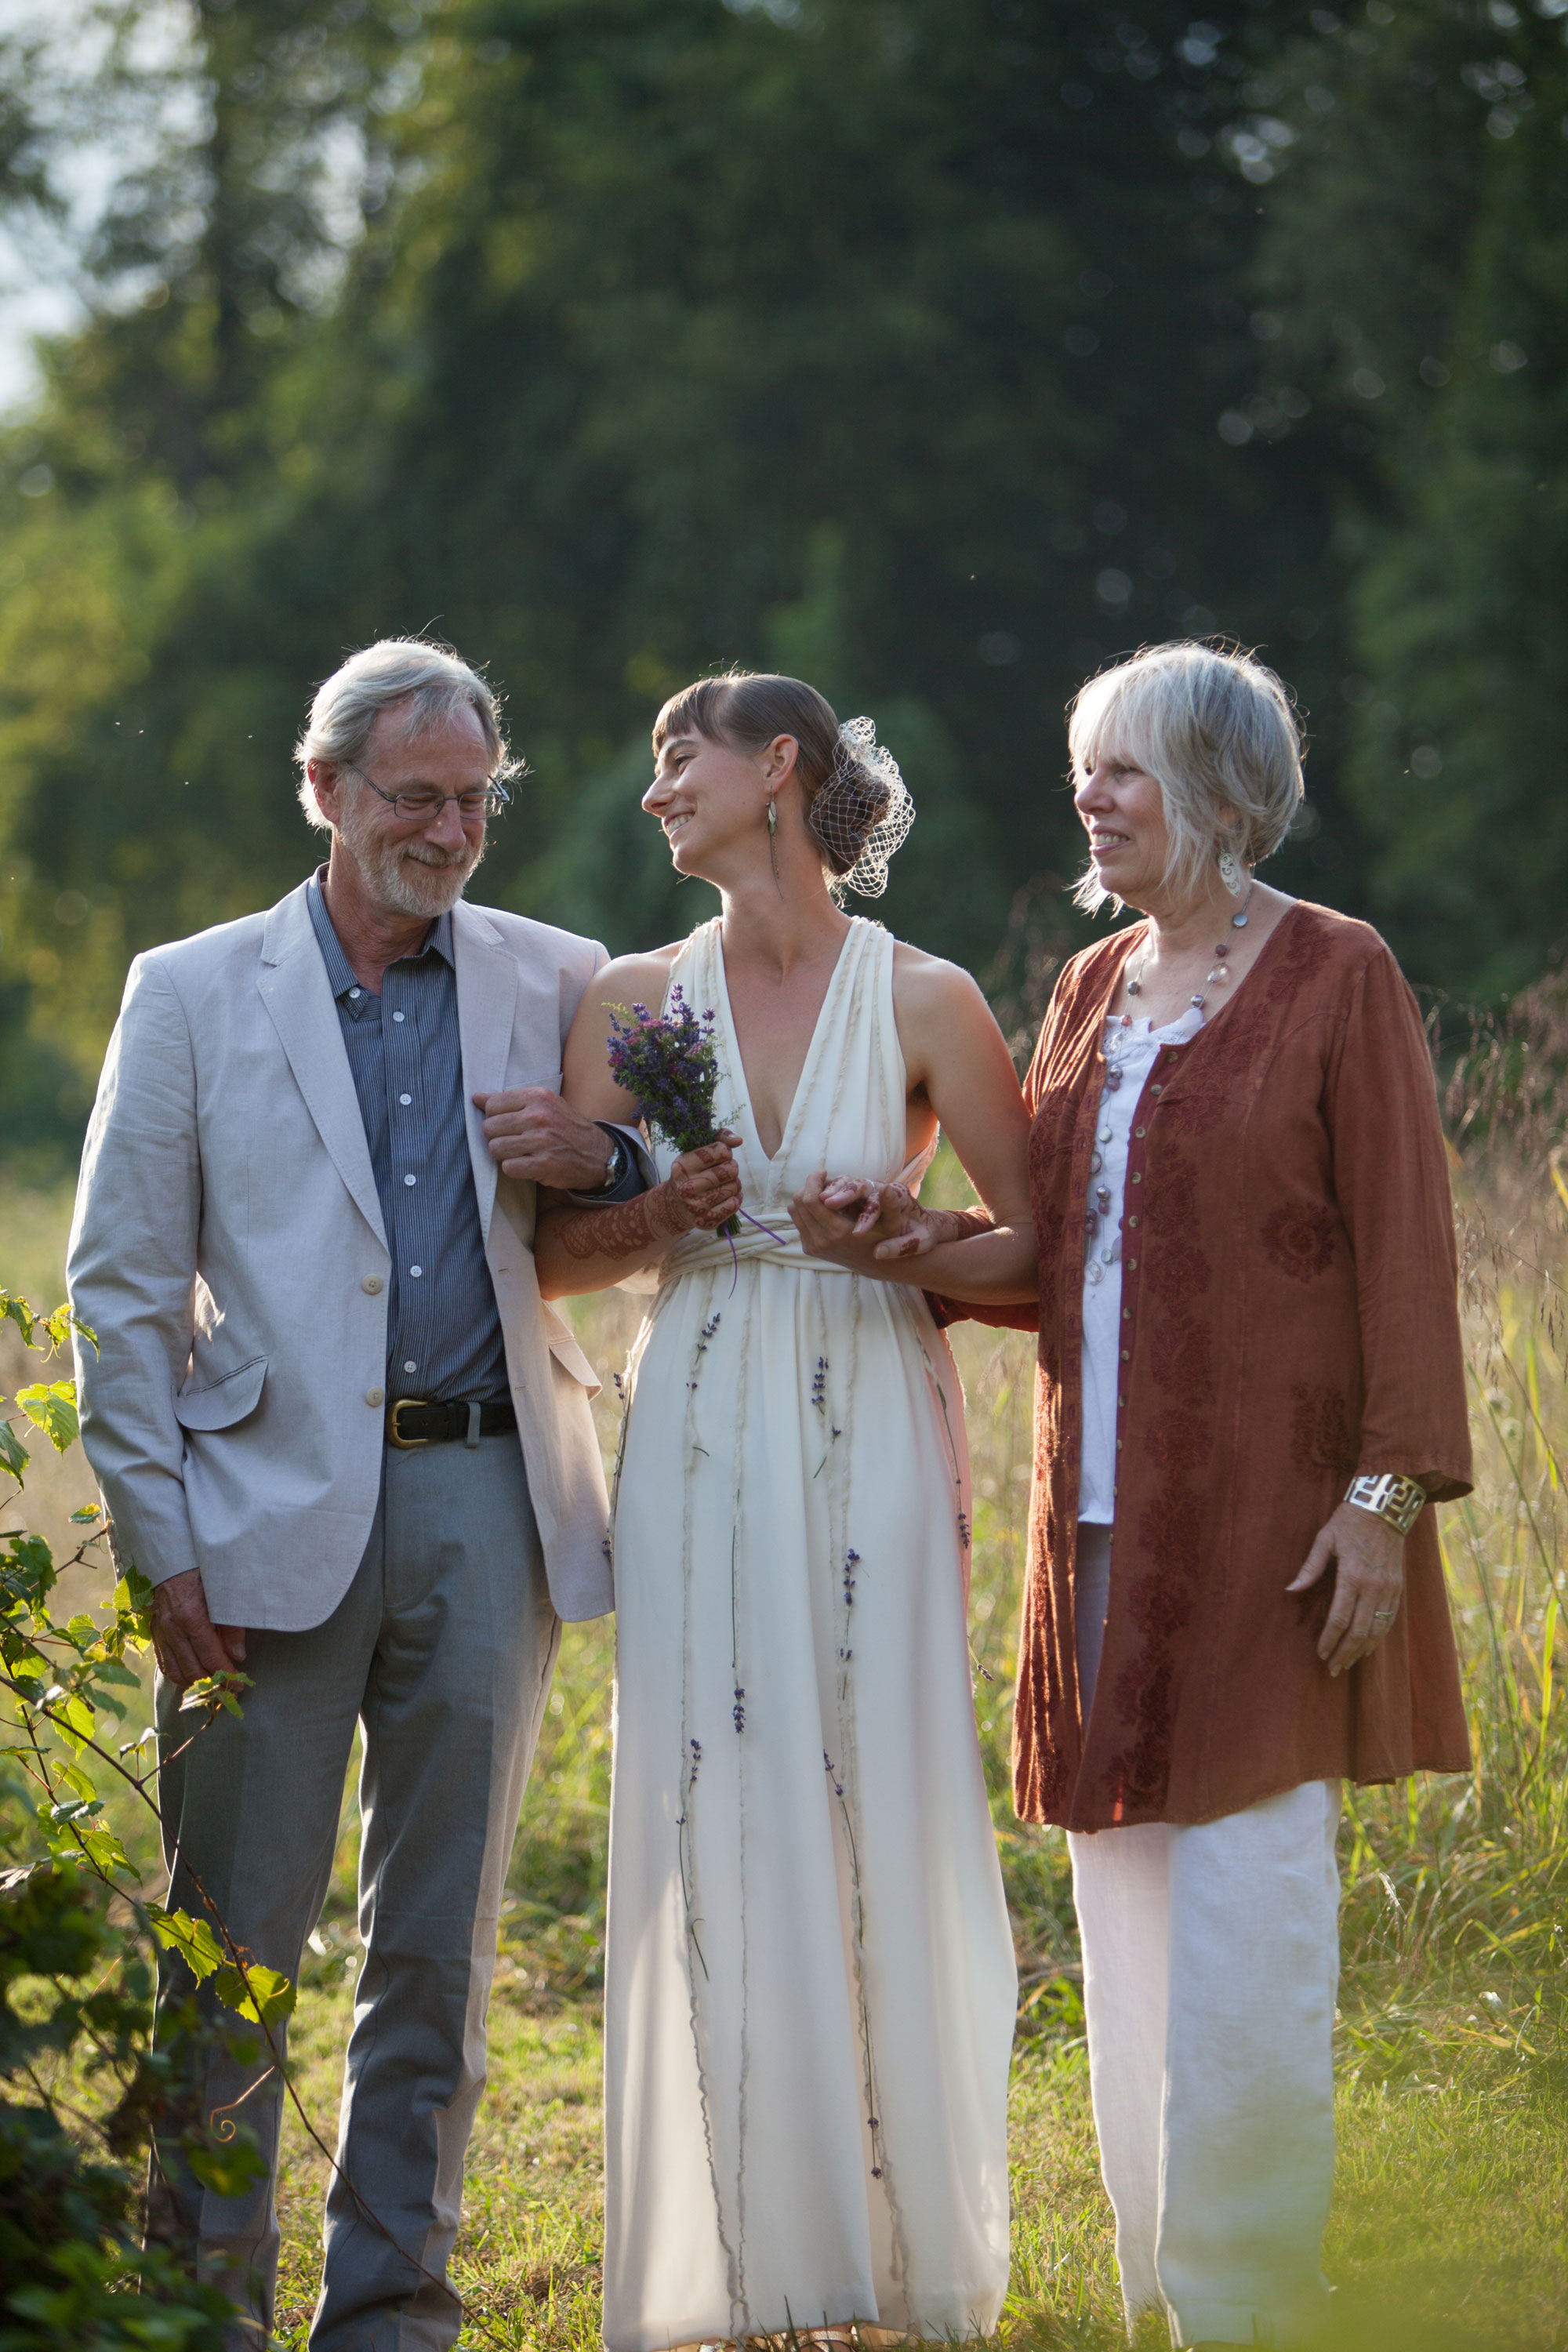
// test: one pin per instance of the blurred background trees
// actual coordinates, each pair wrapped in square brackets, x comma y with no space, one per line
[936,348]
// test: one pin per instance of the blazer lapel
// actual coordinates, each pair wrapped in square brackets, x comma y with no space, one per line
[296,991]
[487,1011]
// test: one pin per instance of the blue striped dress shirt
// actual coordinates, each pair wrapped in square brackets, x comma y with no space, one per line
[443,1330]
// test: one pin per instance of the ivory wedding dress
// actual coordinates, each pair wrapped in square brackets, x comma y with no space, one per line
[810,1985]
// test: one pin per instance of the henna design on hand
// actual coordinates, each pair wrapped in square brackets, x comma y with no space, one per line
[643,1223]
[958,1224]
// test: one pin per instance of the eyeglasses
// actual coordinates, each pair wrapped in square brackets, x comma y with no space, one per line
[422,802]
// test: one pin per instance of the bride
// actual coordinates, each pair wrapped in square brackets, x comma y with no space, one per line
[809,1980]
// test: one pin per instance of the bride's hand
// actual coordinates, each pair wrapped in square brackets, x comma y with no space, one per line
[703,1188]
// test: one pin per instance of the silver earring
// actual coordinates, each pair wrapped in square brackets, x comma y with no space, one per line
[773,814]
[1231,873]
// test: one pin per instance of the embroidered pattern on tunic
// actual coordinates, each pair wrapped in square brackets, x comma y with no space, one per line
[1300,1239]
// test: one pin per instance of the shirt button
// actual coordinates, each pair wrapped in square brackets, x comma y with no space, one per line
[355,995]
[411,1366]
[375,1396]
[406,1098]
[397,1016]
[417,1271]
[410,1180]
[371,1283]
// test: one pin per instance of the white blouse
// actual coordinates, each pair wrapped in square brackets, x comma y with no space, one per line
[1130,1048]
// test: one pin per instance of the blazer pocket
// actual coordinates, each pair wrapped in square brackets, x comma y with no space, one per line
[222,1402]
[565,1350]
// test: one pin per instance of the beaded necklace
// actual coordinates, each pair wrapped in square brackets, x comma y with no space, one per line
[1220,971]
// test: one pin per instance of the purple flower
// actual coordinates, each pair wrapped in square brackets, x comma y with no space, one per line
[671,1064]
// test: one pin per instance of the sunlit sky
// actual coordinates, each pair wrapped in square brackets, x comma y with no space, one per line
[36,293]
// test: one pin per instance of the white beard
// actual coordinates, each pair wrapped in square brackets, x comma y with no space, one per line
[406,878]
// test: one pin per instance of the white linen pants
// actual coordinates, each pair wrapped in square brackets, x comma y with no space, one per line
[1210,1970]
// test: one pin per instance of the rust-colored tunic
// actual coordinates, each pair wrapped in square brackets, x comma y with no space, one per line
[1290,1318]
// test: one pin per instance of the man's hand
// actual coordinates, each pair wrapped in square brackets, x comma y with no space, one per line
[539,1139]
[1368,1558]
[185,1642]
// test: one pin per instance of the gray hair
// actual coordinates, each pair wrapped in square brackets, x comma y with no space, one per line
[1220,736]
[432,683]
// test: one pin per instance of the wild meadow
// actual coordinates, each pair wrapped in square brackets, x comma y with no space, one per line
[1450,2224]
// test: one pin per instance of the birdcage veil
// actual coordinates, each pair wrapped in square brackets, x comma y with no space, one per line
[862,813]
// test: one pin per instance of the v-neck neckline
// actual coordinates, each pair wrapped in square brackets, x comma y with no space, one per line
[771,1159]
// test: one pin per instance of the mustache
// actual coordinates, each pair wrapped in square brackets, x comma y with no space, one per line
[442,861]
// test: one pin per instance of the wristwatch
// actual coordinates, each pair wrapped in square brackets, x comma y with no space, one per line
[1388,1497]
[615,1166]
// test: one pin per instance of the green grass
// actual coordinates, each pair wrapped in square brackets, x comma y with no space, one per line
[1449,2233]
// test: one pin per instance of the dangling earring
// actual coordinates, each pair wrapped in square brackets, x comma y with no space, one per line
[1231,872]
[773,838]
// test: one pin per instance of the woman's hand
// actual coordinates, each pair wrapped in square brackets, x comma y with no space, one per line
[887,1215]
[855,1222]
[1368,1560]
[702,1190]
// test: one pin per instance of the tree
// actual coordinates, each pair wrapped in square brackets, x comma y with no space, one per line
[1418,257]
[914,345]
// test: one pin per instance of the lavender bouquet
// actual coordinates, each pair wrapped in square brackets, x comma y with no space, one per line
[671,1064]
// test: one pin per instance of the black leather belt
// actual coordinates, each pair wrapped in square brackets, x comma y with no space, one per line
[412,1422]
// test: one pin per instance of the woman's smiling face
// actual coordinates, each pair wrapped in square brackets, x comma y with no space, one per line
[1123,809]
[706,796]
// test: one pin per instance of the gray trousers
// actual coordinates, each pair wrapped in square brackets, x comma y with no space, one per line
[443,1649]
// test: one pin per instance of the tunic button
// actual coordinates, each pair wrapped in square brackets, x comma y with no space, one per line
[375,1396]
[1140,1131]
[1154,1090]
[371,1283]
[1127,1355]
[1132,1221]
[1133,1263]
[1137,1176]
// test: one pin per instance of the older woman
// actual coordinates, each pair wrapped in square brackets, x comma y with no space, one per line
[1250,1389]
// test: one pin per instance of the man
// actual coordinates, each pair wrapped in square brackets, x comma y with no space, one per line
[337,1429]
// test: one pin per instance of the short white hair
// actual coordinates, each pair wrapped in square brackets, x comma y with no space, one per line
[1220,736]
[430,680]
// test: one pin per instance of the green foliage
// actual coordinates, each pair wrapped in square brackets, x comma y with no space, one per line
[81,2089]
[888,344]
[1416,263]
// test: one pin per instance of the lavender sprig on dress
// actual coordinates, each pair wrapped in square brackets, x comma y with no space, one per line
[670,1064]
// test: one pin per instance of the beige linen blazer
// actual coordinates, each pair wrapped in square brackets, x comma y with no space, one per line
[229,1253]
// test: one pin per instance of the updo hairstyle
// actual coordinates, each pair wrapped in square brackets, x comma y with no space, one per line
[845,798]
[1220,736]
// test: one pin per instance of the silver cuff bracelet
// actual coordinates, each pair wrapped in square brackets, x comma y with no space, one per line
[1388,1497]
